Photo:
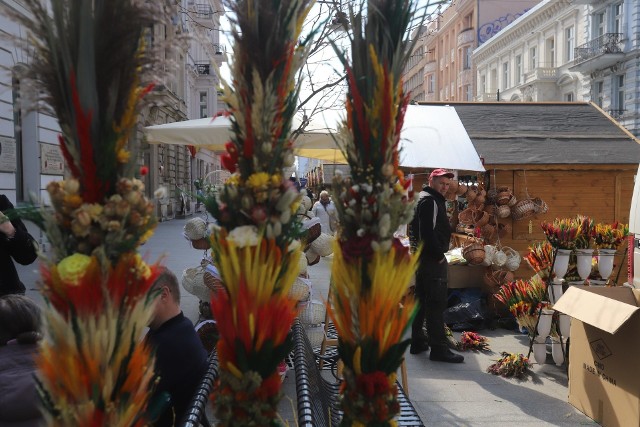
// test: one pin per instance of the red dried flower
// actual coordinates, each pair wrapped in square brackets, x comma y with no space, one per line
[144,170]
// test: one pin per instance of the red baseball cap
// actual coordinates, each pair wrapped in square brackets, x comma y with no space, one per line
[441,172]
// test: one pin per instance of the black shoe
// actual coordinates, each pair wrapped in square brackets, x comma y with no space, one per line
[445,355]
[418,347]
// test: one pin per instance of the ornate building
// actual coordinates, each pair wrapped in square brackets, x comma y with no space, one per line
[441,67]
[531,59]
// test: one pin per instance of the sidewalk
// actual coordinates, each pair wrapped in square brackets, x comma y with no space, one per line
[443,394]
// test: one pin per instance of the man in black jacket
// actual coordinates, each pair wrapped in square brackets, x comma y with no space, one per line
[181,360]
[434,232]
[15,244]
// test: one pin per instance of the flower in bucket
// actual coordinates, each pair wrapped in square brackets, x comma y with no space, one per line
[371,269]
[254,245]
[586,232]
[561,233]
[524,298]
[610,236]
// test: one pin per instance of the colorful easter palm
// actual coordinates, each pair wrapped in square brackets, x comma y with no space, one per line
[371,268]
[255,244]
[89,63]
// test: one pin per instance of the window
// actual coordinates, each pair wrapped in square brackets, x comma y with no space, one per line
[204,110]
[598,93]
[482,89]
[466,58]
[617,18]
[569,43]
[518,65]
[598,24]
[430,83]
[468,95]
[468,21]
[551,53]
[618,94]
[568,97]
[532,58]
[505,76]
[493,83]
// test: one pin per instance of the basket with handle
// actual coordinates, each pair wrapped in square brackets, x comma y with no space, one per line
[524,209]
[462,188]
[313,313]
[471,194]
[490,209]
[513,258]
[195,228]
[503,211]
[489,251]
[489,232]
[540,205]
[473,216]
[499,258]
[503,195]
[300,290]
[201,244]
[474,252]
[496,278]
[453,186]
[504,229]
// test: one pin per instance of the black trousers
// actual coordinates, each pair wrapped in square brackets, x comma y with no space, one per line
[431,294]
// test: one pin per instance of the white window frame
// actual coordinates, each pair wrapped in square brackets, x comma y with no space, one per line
[617,18]
[599,23]
[533,57]
[203,105]
[618,92]
[569,43]
[505,75]
[550,54]
[518,69]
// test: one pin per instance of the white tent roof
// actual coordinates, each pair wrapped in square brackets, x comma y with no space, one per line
[432,137]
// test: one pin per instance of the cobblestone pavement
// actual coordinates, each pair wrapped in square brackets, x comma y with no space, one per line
[443,394]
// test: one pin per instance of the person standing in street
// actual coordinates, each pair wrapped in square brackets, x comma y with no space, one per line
[431,228]
[325,211]
[16,244]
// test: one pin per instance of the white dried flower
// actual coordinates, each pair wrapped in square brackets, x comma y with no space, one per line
[285,217]
[360,232]
[243,236]
[384,225]
[294,246]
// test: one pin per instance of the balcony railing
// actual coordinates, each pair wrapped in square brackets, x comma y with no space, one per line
[616,114]
[204,11]
[606,43]
[466,36]
[541,73]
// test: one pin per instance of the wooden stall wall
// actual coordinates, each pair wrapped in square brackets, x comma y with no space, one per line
[601,192]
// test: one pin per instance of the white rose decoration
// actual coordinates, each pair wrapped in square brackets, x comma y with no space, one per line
[246,235]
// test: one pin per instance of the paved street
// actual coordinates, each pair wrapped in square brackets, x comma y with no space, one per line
[443,394]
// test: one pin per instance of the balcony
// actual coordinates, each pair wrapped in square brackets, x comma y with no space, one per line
[487,97]
[203,13]
[616,114]
[465,77]
[541,75]
[598,53]
[466,36]
[430,67]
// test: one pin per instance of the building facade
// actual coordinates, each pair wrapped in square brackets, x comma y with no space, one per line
[608,59]
[441,66]
[30,156]
[530,60]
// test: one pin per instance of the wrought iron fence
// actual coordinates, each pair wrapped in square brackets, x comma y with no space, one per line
[606,43]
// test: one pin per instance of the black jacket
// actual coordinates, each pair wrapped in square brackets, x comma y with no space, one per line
[435,240]
[181,362]
[21,248]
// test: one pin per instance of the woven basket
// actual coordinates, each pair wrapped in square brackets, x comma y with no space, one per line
[492,195]
[489,232]
[453,186]
[512,201]
[322,245]
[471,194]
[503,195]
[300,290]
[193,282]
[504,229]
[480,200]
[473,216]
[465,229]
[195,228]
[212,282]
[312,234]
[513,258]
[315,335]
[489,251]
[451,196]
[462,188]
[474,253]
[499,258]
[312,257]
[201,244]
[540,205]
[503,211]
[525,208]
[302,266]
[490,209]
[496,278]
[313,313]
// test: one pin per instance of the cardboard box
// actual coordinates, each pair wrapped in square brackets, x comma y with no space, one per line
[465,276]
[604,353]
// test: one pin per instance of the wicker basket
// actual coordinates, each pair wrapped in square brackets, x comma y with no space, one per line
[313,313]
[312,233]
[315,335]
[492,194]
[451,196]
[499,258]
[322,245]
[465,229]
[302,266]
[201,244]
[513,258]
[195,228]
[503,211]
[312,257]
[503,195]
[540,205]
[489,232]
[214,283]
[473,216]
[462,188]
[300,290]
[525,208]
[474,253]
[453,186]
[193,282]
[496,278]
[471,194]
[480,199]
[490,209]
[512,201]
[489,251]
[504,229]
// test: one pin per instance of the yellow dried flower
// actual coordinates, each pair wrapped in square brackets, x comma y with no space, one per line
[234,179]
[142,269]
[71,186]
[276,180]
[72,201]
[258,180]
[72,268]
[123,156]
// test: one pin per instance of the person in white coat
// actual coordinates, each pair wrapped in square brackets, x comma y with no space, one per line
[325,211]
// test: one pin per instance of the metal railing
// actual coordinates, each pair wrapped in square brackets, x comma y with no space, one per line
[606,43]
[616,114]
[204,11]
[203,68]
